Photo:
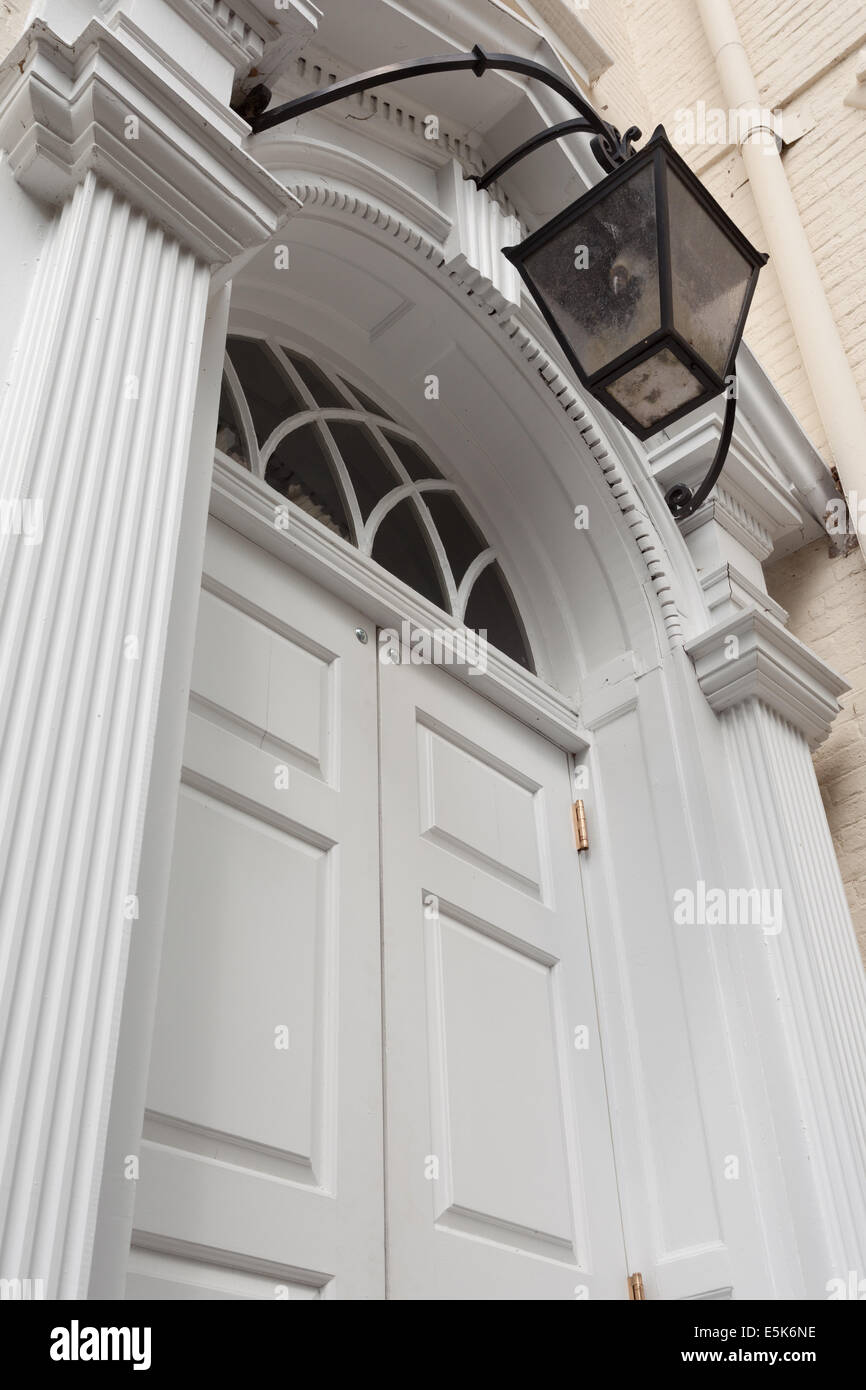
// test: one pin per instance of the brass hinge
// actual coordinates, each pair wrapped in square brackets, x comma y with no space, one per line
[635,1288]
[578,816]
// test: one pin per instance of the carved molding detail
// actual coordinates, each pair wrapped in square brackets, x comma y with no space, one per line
[751,656]
[66,110]
[242,42]
[404,123]
[251,33]
[525,346]
[733,517]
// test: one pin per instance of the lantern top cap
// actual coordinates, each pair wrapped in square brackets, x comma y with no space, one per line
[658,147]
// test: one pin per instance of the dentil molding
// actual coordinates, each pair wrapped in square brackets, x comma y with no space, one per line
[244,29]
[232,29]
[751,656]
[67,109]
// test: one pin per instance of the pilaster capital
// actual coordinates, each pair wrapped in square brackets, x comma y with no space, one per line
[750,655]
[96,104]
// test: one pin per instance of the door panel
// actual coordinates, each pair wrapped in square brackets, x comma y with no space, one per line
[500,1179]
[262,1165]
[261,1168]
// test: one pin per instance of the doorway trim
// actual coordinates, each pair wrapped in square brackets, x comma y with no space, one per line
[247,504]
[692,1235]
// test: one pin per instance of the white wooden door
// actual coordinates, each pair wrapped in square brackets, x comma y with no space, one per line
[500,1178]
[262,1166]
[261,1172]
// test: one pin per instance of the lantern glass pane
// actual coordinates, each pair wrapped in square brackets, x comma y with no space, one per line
[599,275]
[655,388]
[710,277]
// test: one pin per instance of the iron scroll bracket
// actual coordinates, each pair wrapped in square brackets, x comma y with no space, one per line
[609,147]
[680,498]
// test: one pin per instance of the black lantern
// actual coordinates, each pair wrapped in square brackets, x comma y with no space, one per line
[645,281]
[646,284]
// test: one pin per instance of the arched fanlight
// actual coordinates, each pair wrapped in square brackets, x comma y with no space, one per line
[330,449]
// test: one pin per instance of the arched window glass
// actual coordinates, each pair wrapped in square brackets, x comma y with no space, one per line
[402,547]
[330,449]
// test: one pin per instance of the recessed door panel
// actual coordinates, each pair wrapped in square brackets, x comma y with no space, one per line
[333,814]
[261,1170]
[500,1179]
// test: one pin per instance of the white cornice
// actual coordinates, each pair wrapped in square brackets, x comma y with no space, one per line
[766,499]
[782,436]
[227,28]
[387,115]
[247,33]
[96,105]
[751,656]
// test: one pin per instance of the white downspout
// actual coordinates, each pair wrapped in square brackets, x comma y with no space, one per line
[834,387]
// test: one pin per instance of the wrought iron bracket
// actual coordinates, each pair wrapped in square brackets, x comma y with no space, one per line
[680,498]
[608,156]
[609,147]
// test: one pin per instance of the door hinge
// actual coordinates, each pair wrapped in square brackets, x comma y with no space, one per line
[578,816]
[635,1288]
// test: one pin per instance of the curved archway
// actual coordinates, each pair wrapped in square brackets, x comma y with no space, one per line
[331,450]
[371,290]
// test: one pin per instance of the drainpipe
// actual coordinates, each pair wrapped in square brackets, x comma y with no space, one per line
[834,387]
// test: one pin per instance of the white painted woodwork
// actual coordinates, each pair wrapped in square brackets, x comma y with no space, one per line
[104,106]
[480,229]
[247,503]
[259,1159]
[500,1179]
[751,655]
[261,1169]
[117,301]
[113,1226]
[715,1043]
[777,699]
[96,421]
[814,972]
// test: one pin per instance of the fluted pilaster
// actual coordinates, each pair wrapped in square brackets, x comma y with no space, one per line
[98,429]
[776,700]
[95,423]
[814,965]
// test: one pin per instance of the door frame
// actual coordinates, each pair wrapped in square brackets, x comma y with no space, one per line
[640,718]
